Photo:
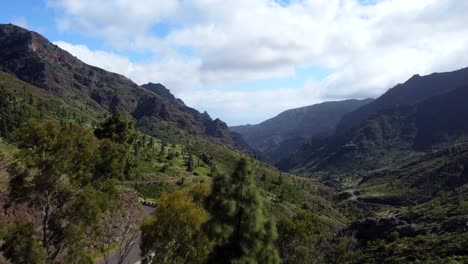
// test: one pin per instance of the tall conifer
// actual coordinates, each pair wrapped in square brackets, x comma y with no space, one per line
[238,225]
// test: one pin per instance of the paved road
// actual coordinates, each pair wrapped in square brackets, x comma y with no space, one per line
[134,254]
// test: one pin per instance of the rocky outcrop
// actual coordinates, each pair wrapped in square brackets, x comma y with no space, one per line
[160,90]
[374,228]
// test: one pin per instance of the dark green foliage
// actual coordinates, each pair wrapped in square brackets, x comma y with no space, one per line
[430,193]
[238,225]
[15,108]
[342,250]
[304,237]
[20,246]
[119,137]
[112,160]
[393,236]
[117,128]
[61,181]
[190,165]
[280,178]
[444,248]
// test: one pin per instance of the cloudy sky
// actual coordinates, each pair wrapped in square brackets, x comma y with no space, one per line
[247,60]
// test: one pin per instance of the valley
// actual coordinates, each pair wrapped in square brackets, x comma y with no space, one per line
[380,180]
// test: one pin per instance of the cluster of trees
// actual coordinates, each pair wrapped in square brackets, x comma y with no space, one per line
[17,106]
[12,112]
[69,174]
[226,226]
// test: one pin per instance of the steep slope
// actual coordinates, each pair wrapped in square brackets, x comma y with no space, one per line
[419,210]
[382,138]
[413,91]
[278,137]
[33,59]
[387,136]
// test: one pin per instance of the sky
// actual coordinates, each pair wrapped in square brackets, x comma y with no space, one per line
[245,61]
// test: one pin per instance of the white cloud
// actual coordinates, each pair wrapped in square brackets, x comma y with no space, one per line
[173,72]
[116,20]
[368,48]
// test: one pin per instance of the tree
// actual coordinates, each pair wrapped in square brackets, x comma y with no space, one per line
[119,130]
[20,246]
[263,179]
[190,162]
[297,236]
[111,162]
[280,178]
[58,178]
[238,225]
[4,131]
[174,234]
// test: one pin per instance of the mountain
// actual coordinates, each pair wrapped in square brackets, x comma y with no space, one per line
[33,59]
[162,91]
[413,91]
[278,137]
[431,119]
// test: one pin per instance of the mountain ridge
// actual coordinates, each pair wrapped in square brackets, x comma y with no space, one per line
[33,59]
[415,90]
[279,136]
[391,132]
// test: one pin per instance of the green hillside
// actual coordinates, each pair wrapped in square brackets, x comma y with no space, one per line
[279,137]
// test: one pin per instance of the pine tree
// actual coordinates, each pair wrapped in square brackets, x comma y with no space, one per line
[280,178]
[238,225]
[190,162]
[4,128]
[117,128]
[121,131]
[162,150]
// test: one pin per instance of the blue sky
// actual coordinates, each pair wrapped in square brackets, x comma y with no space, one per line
[247,60]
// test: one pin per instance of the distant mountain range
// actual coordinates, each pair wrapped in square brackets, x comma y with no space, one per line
[334,139]
[280,136]
[418,116]
[413,91]
[343,140]
[33,59]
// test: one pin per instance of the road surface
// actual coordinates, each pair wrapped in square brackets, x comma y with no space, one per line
[133,256]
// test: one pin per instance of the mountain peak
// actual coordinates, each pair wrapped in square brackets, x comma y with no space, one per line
[162,91]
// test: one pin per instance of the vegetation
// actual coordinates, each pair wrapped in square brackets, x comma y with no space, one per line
[68,175]
[173,234]
[237,224]
[277,138]
[78,156]
[92,171]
